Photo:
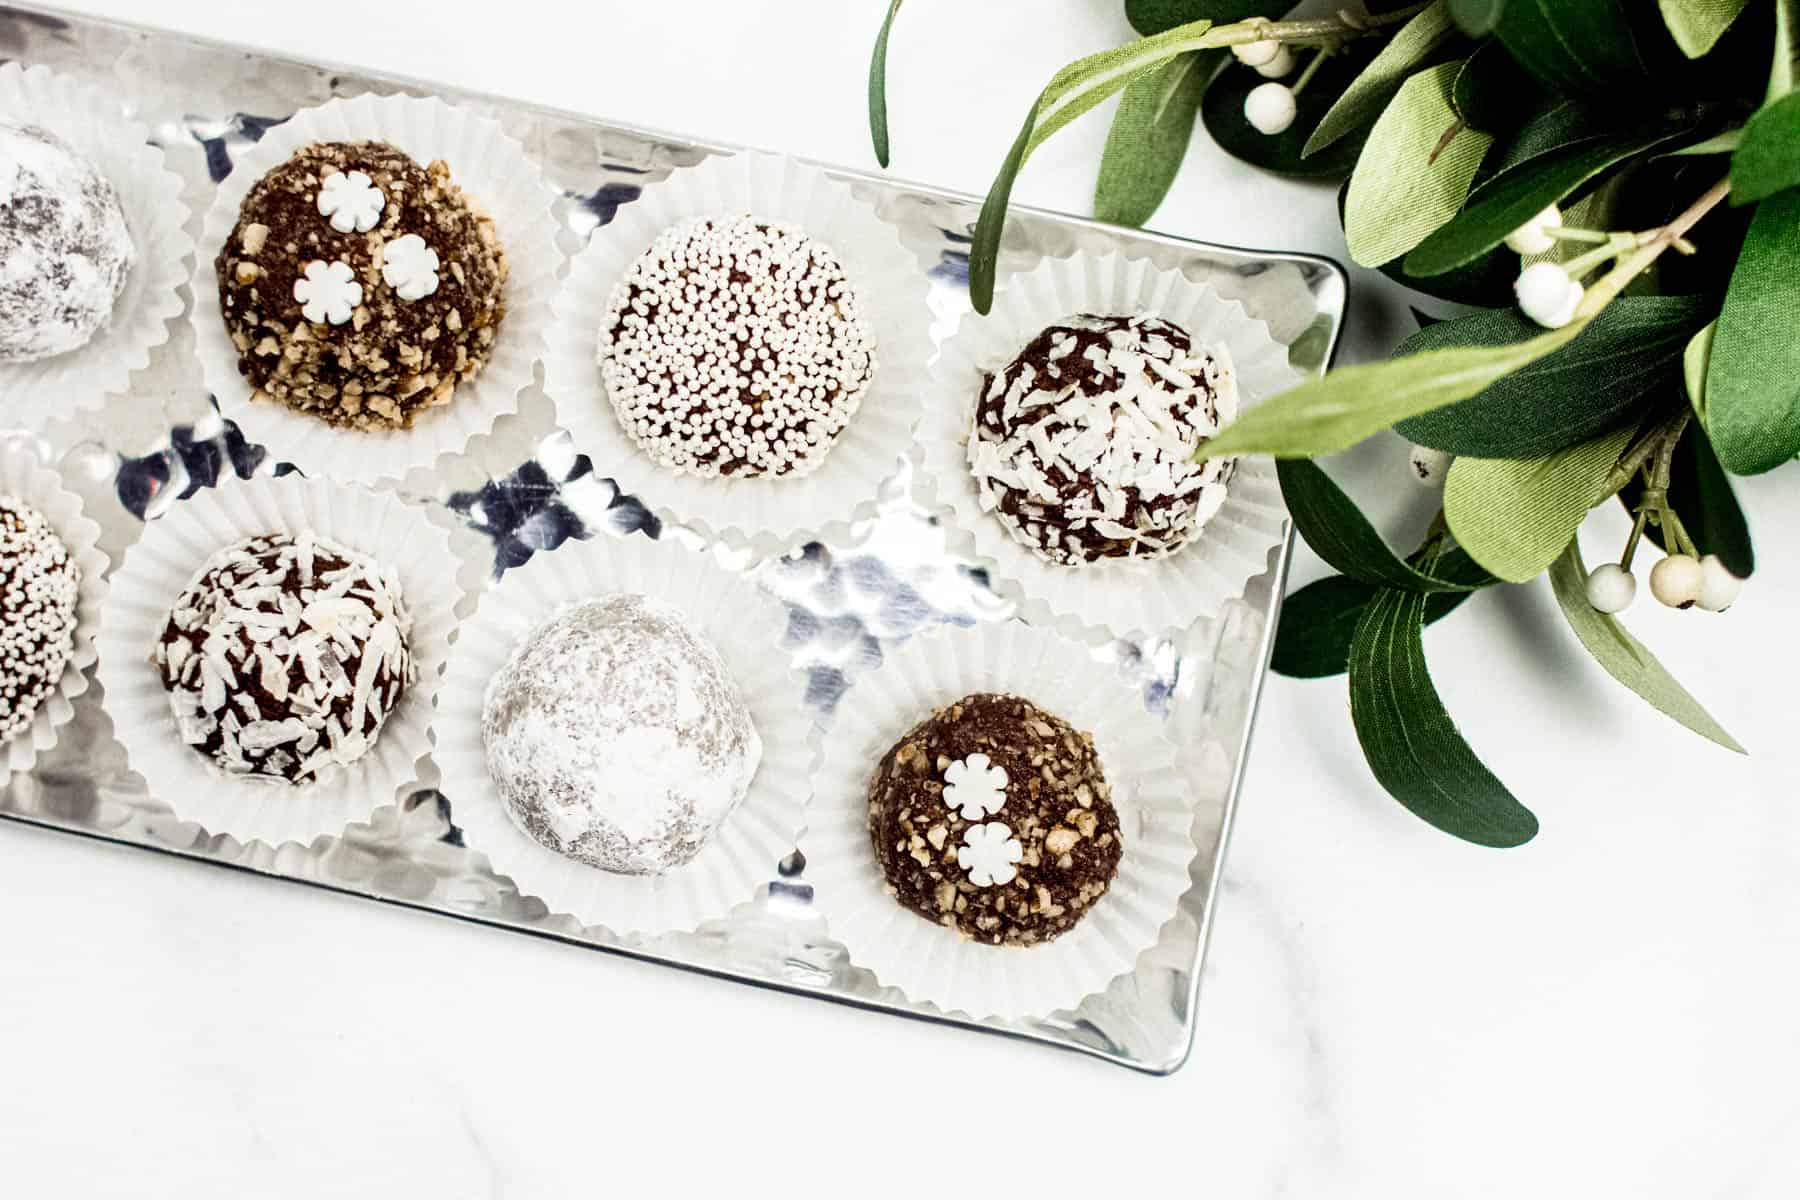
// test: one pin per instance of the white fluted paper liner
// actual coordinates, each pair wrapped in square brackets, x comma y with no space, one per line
[744,624]
[935,965]
[168,557]
[24,477]
[92,121]
[494,173]
[771,515]
[1121,598]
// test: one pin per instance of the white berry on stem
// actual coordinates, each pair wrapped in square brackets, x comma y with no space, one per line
[1430,467]
[1256,54]
[1546,293]
[1719,588]
[1270,108]
[1530,237]
[1676,580]
[1281,64]
[1611,588]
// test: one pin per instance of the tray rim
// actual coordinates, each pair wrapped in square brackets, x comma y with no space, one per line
[1277,573]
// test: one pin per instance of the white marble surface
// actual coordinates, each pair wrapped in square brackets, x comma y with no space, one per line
[1385,1013]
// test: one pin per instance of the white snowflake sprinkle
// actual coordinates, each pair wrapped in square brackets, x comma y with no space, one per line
[352,201]
[329,292]
[410,267]
[988,854]
[975,786]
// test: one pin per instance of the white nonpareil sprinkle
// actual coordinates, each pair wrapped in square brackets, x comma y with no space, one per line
[736,347]
[1096,460]
[285,656]
[40,587]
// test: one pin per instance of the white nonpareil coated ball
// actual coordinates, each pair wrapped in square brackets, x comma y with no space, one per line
[1270,108]
[1611,588]
[1547,295]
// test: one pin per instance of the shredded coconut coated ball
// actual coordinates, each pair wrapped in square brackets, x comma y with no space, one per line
[736,347]
[285,657]
[39,589]
[1084,445]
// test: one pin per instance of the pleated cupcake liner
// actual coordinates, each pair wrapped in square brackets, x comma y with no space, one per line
[170,555]
[770,514]
[498,177]
[93,121]
[744,624]
[24,477]
[934,964]
[1114,598]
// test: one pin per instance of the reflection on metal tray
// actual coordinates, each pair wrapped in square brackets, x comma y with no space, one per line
[524,489]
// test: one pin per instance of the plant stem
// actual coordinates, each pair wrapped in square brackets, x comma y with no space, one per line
[1652,244]
[1631,543]
[1567,234]
[1312,68]
[1343,25]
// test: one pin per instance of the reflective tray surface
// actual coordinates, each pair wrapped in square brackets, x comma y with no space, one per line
[524,490]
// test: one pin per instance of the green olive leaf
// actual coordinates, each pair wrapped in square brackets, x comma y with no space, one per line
[1338,533]
[1515,515]
[1694,362]
[1624,657]
[1413,748]
[1582,47]
[1768,161]
[1487,90]
[1476,17]
[1076,89]
[1697,25]
[1160,16]
[1414,171]
[1319,622]
[1149,138]
[878,114]
[1349,404]
[1752,391]
[1409,48]
[1595,382]
[1781,72]
[1514,197]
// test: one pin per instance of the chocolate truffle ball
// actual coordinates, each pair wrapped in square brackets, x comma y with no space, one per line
[40,586]
[993,818]
[285,656]
[736,347]
[65,250]
[1083,446]
[617,737]
[361,287]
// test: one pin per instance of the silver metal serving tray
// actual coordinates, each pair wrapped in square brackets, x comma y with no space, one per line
[524,489]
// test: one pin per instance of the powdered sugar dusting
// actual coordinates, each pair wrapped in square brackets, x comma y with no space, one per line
[65,250]
[616,736]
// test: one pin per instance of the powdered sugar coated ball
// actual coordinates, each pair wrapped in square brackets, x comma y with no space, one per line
[736,346]
[285,656]
[65,250]
[617,737]
[39,589]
